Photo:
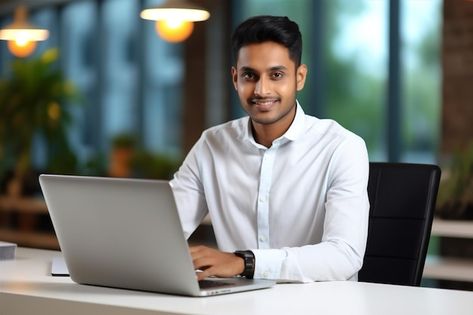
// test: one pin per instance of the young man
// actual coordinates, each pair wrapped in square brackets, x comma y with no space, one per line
[286,192]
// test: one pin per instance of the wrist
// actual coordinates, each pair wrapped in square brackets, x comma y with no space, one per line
[248,261]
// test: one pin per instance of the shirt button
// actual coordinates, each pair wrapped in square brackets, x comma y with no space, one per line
[265,274]
[262,199]
[262,239]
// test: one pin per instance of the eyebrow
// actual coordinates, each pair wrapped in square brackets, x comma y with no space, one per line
[275,68]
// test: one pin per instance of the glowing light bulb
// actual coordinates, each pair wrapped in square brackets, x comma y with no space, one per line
[175,30]
[21,48]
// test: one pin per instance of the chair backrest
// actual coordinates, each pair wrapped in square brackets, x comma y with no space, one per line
[402,201]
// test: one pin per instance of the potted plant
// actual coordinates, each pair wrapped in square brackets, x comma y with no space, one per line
[33,101]
[121,155]
[127,159]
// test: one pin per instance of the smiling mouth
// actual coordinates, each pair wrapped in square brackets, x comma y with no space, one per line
[263,104]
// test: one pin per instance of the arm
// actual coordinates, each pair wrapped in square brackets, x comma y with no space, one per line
[189,193]
[339,255]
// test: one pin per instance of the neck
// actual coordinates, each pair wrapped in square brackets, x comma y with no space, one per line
[265,134]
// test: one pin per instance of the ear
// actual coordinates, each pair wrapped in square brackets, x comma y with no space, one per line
[301,74]
[235,78]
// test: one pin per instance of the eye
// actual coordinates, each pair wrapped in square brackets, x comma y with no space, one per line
[248,76]
[277,75]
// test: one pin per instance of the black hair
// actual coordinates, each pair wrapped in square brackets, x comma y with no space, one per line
[264,28]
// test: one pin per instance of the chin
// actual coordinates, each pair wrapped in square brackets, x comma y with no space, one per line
[264,119]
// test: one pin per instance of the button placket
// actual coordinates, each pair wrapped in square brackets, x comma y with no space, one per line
[263,197]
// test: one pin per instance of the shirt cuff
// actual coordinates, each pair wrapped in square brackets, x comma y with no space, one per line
[268,263]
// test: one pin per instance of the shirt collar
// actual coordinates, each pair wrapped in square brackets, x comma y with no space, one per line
[297,125]
[294,131]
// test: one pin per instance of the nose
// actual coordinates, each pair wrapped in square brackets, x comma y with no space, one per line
[262,87]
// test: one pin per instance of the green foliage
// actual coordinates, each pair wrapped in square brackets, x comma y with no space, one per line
[124,140]
[146,164]
[354,97]
[149,165]
[456,190]
[95,165]
[33,101]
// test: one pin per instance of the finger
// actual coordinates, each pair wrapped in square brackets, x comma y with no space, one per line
[193,249]
[205,274]
[203,263]
[203,252]
[201,275]
[196,253]
[196,249]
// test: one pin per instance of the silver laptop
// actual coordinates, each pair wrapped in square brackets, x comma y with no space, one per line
[126,233]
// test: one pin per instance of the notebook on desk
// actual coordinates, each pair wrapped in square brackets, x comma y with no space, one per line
[126,233]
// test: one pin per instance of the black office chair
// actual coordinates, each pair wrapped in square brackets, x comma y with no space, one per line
[402,198]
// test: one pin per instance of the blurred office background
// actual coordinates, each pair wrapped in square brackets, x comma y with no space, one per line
[398,73]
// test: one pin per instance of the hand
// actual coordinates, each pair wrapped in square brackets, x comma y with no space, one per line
[213,262]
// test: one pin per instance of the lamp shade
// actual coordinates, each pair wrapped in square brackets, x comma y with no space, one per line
[175,9]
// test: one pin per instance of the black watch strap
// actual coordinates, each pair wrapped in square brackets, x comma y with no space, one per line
[249,259]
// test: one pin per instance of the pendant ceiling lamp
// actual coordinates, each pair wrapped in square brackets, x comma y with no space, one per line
[175,19]
[22,35]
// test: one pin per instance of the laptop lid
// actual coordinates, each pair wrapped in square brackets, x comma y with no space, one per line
[126,233]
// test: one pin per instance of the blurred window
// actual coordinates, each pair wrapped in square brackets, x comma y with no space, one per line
[356,39]
[421,77]
[163,89]
[80,65]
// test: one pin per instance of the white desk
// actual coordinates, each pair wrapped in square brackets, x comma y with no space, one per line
[27,288]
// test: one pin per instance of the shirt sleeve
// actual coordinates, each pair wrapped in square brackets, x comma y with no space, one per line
[339,256]
[189,193]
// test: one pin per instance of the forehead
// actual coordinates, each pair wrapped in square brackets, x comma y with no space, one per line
[262,56]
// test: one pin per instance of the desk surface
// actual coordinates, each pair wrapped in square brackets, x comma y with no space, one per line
[27,288]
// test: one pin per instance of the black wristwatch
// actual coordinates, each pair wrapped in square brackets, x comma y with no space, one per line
[249,259]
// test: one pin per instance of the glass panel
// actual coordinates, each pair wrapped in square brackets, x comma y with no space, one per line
[5,55]
[356,69]
[120,70]
[421,36]
[46,18]
[163,89]
[78,26]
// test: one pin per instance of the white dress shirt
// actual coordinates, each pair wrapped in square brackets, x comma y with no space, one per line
[301,205]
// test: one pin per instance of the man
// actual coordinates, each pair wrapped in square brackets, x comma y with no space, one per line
[285,189]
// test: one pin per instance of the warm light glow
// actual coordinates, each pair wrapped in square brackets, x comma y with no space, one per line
[21,35]
[21,48]
[54,111]
[174,31]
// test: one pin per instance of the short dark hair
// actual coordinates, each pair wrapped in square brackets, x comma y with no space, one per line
[264,28]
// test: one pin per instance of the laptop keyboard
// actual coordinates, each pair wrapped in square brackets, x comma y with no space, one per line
[206,284]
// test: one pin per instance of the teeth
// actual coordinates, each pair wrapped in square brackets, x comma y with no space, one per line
[264,102]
